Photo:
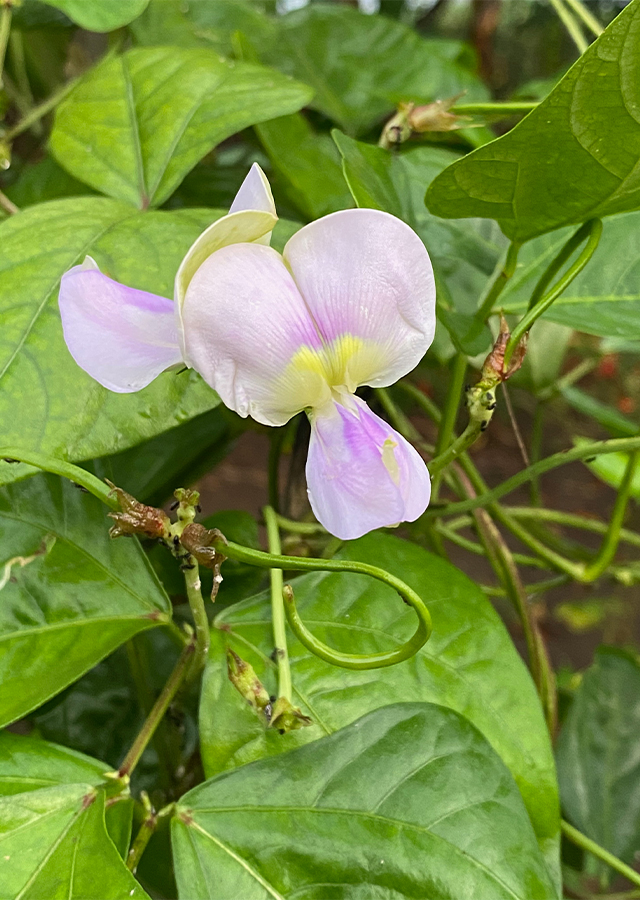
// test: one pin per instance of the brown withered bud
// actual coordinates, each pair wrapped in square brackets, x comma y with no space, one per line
[411,119]
[136,518]
[436,117]
[199,541]
[493,371]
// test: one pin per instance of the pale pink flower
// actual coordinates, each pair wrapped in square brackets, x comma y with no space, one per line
[350,302]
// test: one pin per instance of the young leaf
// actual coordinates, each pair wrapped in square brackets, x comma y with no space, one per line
[46,401]
[611,467]
[96,15]
[408,801]
[69,594]
[53,838]
[468,664]
[597,753]
[574,157]
[137,123]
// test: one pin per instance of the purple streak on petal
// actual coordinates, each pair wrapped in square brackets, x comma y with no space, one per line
[351,490]
[254,193]
[123,337]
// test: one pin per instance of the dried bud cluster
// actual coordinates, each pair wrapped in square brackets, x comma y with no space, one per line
[411,119]
[136,518]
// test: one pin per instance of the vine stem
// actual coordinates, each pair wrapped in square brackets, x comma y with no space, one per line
[540,301]
[596,448]
[504,274]
[285,688]
[573,28]
[5,29]
[38,112]
[502,109]
[570,520]
[450,412]
[60,467]
[581,840]
[588,19]
[158,710]
[612,537]
[145,832]
[302,564]
[199,613]
[8,205]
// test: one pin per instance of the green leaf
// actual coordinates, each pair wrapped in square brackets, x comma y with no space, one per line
[69,414]
[611,467]
[574,157]
[469,664]
[44,180]
[153,470]
[359,65]
[98,15]
[464,255]
[597,754]
[604,298]
[137,123]
[53,838]
[69,594]
[103,712]
[409,801]
[308,165]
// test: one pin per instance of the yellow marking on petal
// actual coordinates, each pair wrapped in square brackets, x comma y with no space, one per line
[389,460]
[314,375]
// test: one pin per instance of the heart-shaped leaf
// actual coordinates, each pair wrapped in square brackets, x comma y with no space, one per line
[137,123]
[46,402]
[574,157]
[469,664]
[96,15]
[69,594]
[53,838]
[598,761]
[408,801]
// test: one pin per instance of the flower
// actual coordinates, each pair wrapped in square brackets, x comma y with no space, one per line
[350,302]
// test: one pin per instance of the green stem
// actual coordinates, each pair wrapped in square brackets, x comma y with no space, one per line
[199,613]
[143,836]
[540,301]
[474,547]
[19,68]
[581,840]
[510,108]
[59,467]
[424,402]
[275,452]
[588,19]
[299,527]
[596,448]
[139,672]
[39,111]
[397,417]
[505,272]
[301,564]
[159,709]
[468,437]
[5,29]
[277,608]
[569,519]
[612,538]
[571,25]
[7,205]
[452,403]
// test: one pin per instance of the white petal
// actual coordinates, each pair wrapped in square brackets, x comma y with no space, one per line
[123,337]
[254,193]
[363,272]
[250,336]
